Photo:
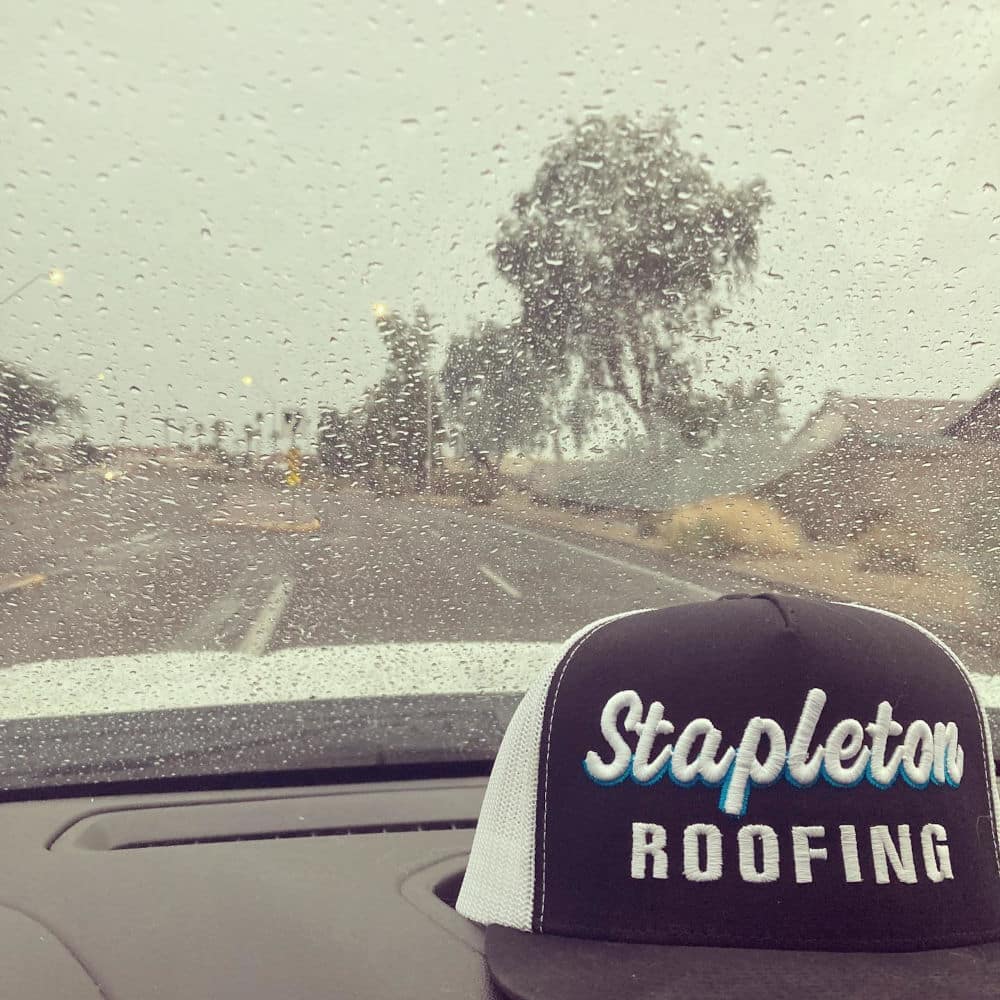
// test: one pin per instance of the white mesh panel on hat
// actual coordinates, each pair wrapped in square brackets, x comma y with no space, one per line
[499,883]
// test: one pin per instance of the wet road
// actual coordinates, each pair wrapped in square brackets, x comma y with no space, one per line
[166,563]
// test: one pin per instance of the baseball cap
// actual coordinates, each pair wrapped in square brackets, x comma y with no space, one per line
[760,795]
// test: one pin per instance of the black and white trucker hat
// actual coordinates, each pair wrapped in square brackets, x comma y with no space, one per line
[752,796]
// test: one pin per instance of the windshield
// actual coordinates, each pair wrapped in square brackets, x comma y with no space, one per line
[357,352]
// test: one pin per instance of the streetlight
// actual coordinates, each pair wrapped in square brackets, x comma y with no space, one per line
[54,277]
[430,426]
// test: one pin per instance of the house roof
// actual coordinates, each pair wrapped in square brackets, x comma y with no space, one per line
[877,418]
[981,422]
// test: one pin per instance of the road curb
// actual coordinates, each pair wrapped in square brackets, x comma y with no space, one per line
[948,630]
[280,527]
[9,585]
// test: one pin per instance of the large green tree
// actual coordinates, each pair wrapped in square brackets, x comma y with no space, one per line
[27,403]
[395,413]
[624,252]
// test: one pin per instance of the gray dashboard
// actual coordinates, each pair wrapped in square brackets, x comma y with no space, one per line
[338,891]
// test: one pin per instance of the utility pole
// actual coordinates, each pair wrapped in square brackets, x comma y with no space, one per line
[430,428]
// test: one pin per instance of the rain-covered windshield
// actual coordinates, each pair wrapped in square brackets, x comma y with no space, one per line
[430,332]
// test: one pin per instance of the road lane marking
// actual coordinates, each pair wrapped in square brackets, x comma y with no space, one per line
[145,537]
[143,540]
[205,631]
[699,593]
[278,526]
[507,588]
[221,622]
[256,640]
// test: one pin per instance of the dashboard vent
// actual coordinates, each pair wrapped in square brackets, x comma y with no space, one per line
[344,812]
[339,831]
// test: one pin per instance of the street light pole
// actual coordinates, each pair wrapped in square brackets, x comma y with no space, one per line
[54,276]
[430,428]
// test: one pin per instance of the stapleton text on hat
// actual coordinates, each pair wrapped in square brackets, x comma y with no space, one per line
[851,752]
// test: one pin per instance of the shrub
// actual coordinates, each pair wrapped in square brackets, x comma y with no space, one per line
[722,526]
[84,452]
[888,547]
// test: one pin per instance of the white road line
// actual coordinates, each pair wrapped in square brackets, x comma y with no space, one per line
[204,629]
[507,588]
[699,593]
[260,632]
[145,537]
[143,540]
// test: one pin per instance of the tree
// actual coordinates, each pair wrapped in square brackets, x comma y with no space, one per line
[84,452]
[27,403]
[336,442]
[218,433]
[753,410]
[394,423]
[751,425]
[625,251]
[494,393]
[293,421]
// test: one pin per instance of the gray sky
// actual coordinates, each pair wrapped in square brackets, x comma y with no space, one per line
[230,186]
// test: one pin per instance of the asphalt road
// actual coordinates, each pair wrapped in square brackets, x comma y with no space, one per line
[163,563]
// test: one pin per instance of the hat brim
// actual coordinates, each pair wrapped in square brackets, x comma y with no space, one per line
[548,967]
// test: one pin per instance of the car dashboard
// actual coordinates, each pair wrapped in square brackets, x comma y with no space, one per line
[340,890]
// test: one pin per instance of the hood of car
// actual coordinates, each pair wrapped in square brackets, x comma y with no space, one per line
[172,680]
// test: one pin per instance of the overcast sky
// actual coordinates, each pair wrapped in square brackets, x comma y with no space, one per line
[229,187]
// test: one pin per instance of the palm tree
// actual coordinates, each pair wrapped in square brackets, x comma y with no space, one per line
[218,433]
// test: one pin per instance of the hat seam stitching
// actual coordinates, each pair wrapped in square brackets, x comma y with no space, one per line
[548,747]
